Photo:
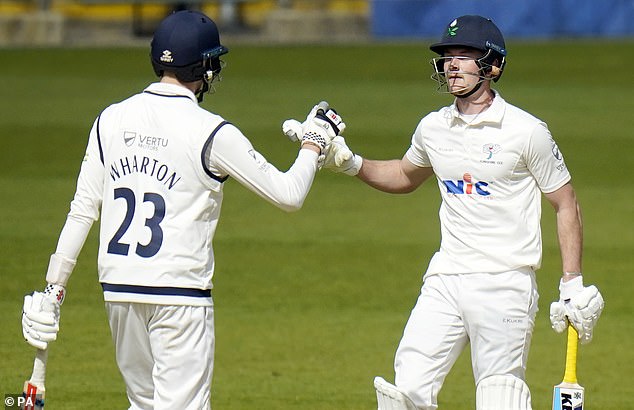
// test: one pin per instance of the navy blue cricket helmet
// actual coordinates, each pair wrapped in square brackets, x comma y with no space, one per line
[475,32]
[187,43]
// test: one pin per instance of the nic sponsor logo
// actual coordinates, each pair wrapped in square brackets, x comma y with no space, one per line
[466,186]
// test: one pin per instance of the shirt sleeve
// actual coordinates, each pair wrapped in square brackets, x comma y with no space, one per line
[85,206]
[231,153]
[545,161]
[416,153]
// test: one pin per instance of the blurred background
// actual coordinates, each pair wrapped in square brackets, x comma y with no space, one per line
[125,22]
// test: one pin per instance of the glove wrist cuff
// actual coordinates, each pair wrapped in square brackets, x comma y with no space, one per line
[357,162]
[55,292]
[570,288]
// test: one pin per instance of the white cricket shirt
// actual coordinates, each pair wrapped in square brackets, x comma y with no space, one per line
[155,166]
[491,170]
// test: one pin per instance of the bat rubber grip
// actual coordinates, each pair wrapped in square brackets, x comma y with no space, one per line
[570,375]
[39,367]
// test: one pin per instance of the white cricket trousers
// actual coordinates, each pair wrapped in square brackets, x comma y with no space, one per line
[494,311]
[165,354]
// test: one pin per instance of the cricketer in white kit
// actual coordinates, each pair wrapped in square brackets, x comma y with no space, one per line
[154,171]
[492,162]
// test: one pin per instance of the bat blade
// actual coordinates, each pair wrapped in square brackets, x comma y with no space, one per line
[33,396]
[569,395]
[34,389]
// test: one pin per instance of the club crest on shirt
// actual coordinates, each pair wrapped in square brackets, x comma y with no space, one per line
[490,150]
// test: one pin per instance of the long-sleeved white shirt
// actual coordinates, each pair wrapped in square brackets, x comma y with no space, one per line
[154,171]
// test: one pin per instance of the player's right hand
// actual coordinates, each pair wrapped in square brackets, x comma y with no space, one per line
[40,316]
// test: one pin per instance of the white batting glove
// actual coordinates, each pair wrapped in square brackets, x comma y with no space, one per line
[40,315]
[580,305]
[294,129]
[319,132]
[341,159]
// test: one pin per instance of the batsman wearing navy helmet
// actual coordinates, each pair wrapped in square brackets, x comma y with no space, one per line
[153,173]
[492,163]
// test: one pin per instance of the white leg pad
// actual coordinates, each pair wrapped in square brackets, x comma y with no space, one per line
[503,392]
[389,397]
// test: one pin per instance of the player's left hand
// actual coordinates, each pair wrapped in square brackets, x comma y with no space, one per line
[580,305]
[341,159]
[40,316]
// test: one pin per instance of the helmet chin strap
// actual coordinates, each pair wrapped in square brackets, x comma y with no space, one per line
[473,90]
[495,71]
[206,86]
[202,91]
[476,87]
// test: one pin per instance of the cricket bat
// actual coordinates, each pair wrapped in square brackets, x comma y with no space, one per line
[34,390]
[569,395]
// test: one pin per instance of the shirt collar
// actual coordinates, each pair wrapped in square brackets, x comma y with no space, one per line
[171,90]
[493,114]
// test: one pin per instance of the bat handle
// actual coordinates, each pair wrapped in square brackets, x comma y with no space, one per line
[39,367]
[570,375]
[322,107]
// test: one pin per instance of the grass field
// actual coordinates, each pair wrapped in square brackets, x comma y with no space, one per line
[310,306]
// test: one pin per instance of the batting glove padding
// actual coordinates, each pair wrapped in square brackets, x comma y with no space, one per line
[322,129]
[341,159]
[40,316]
[579,305]
[294,129]
[331,116]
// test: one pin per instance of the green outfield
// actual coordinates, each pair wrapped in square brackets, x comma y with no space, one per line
[310,306]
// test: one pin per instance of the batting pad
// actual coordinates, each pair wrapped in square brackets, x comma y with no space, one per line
[389,397]
[503,393]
